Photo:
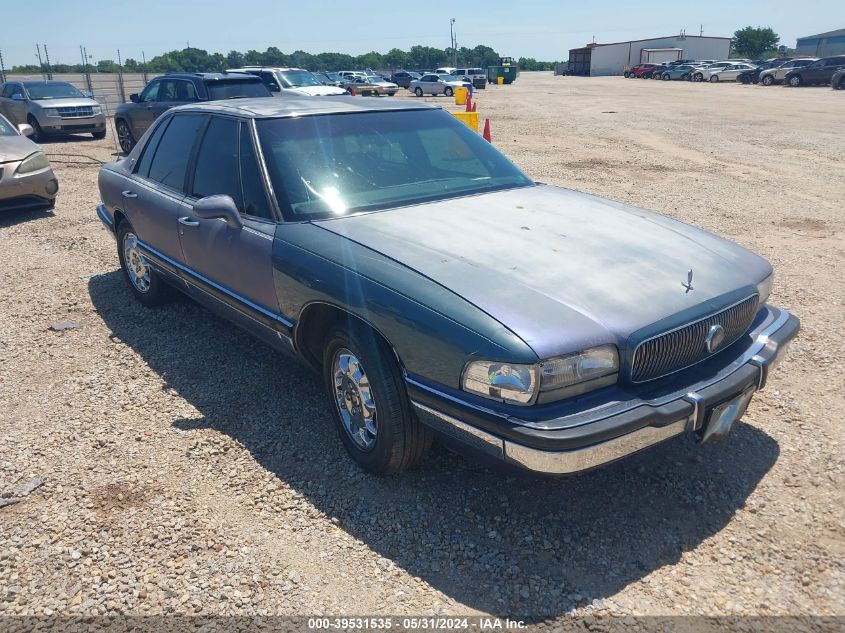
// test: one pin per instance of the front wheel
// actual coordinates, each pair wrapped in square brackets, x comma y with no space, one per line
[38,134]
[148,288]
[795,81]
[626,74]
[99,136]
[124,136]
[697,77]
[418,92]
[840,85]
[448,92]
[714,79]
[371,408]
[768,80]
[666,77]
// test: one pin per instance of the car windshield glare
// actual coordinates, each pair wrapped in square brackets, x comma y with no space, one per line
[328,166]
[298,79]
[6,128]
[47,90]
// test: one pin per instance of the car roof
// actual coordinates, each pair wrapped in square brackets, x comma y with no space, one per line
[212,76]
[272,107]
[267,68]
[33,82]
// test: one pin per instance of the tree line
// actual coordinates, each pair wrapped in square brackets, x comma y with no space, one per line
[199,60]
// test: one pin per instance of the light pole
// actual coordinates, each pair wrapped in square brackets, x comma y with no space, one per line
[452,39]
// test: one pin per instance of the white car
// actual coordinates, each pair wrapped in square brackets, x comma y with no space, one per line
[446,70]
[432,84]
[703,74]
[291,81]
[729,73]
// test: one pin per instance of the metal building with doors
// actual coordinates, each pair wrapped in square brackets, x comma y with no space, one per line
[612,59]
[821,45]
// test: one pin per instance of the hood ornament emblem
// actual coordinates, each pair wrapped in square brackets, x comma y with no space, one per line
[688,285]
[715,338]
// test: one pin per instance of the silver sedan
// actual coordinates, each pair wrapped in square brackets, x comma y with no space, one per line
[437,85]
[26,179]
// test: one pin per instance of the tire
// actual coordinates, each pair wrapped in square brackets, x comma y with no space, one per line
[38,134]
[151,290]
[626,74]
[714,79]
[418,91]
[99,136]
[840,85]
[448,91]
[124,136]
[359,367]
[698,77]
[666,77]
[795,81]
[768,80]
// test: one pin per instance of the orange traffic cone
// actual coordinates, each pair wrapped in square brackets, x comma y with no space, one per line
[474,106]
[486,134]
[352,92]
[469,102]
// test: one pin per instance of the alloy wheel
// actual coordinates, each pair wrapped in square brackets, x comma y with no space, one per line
[354,399]
[124,137]
[136,264]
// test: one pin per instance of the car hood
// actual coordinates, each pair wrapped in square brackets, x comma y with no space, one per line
[561,269]
[317,91]
[14,148]
[70,102]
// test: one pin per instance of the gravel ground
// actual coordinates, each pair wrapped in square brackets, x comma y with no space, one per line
[188,470]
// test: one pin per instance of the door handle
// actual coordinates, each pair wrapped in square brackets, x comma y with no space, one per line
[128,194]
[188,221]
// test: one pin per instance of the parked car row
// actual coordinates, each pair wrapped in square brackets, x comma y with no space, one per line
[793,72]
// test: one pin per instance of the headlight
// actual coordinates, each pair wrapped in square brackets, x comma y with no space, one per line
[51,112]
[33,162]
[502,381]
[525,384]
[764,288]
[97,109]
[581,367]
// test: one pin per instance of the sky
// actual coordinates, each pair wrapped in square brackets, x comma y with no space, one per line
[515,28]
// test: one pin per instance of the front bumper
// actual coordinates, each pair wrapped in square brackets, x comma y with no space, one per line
[72,125]
[36,190]
[596,435]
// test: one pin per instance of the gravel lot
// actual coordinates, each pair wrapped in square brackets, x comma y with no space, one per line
[187,470]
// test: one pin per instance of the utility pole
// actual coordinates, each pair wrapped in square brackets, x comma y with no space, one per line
[452,40]
[40,60]
[49,68]
[701,30]
[2,68]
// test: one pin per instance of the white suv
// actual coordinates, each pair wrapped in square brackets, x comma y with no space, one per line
[290,81]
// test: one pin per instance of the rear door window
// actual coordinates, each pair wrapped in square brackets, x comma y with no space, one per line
[217,162]
[170,162]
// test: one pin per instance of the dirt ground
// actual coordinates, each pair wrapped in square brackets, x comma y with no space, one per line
[188,470]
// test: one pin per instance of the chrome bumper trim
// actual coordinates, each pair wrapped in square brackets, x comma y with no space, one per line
[564,462]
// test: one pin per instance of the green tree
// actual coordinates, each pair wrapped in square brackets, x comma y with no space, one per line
[754,41]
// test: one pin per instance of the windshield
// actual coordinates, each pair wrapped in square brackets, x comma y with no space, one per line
[329,166]
[298,78]
[6,128]
[450,78]
[52,90]
[220,90]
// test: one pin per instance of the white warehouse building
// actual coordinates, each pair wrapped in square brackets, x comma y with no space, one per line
[612,59]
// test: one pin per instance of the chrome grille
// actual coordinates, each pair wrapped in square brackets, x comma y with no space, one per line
[76,112]
[685,346]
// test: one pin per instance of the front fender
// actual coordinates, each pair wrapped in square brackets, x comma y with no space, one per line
[433,331]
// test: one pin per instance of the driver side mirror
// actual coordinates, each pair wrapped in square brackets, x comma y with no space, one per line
[18,97]
[25,129]
[134,98]
[219,207]
[88,93]
[274,87]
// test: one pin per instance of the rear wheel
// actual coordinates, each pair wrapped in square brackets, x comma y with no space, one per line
[840,85]
[371,408]
[418,91]
[795,81]
[626,74]
[124,136]
[148,288]
[666,77]
[697,77]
